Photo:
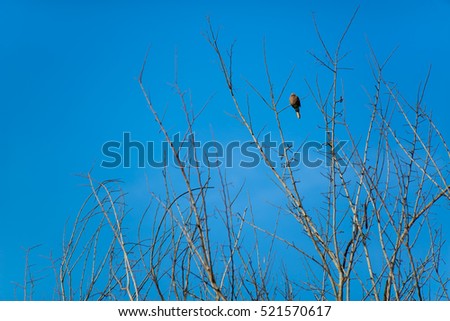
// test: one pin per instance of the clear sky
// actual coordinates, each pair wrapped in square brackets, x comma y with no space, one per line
[68,84]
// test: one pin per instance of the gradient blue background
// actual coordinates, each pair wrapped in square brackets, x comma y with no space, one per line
[68,83]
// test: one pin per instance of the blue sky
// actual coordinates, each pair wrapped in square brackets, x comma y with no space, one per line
[68,84]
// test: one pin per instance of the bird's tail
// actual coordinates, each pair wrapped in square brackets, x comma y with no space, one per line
[298,113]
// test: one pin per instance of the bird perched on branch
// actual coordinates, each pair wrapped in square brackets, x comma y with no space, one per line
[295,103]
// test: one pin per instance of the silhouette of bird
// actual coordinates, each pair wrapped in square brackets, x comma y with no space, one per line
[295,103]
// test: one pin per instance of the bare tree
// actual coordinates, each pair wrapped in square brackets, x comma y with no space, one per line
[370,234]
